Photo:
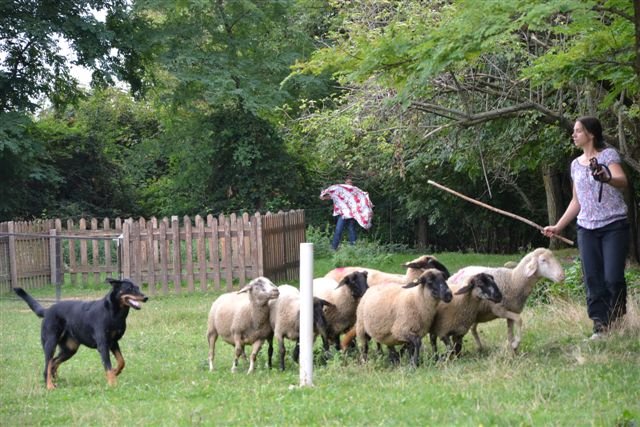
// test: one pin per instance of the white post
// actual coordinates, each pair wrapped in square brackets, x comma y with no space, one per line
[306,314]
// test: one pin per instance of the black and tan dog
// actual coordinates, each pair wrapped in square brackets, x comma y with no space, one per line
[97,324]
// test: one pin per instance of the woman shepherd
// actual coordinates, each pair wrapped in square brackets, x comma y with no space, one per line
[603,228]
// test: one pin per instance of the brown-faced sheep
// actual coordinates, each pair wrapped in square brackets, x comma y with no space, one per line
[453,320]
[242,318]
[376,277]
[345,296]
[394,315]
[285,321]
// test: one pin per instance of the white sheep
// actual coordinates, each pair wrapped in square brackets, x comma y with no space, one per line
[345,296]
[284,317]
[453,320]
[376,277]
[242,318]
[394,315]
[516,284]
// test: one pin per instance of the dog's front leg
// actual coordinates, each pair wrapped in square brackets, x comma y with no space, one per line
[103,349]
[115,349]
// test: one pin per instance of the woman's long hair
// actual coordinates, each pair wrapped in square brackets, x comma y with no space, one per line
[594,127]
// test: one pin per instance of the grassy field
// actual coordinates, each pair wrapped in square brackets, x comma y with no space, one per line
[558,378]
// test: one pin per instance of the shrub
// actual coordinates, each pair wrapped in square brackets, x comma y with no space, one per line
[364,253]
[321,239]
[573,285]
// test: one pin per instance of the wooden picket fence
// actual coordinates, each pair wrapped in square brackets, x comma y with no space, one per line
[168,255]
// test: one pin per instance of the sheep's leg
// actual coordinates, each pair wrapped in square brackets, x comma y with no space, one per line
[269,351]
[239,351]
[457,345]
[296,351]
[514,341]
[255,348]
[433,338]
[476,337]
[212,337]
[512,318]
[281,352]
[394,356]
[448,346]
[416,342]
[364,344]
[336,341]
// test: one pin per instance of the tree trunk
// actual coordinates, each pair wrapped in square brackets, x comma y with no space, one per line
[553,189]
[634,221]
[421,235]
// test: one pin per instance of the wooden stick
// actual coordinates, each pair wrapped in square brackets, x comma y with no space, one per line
[509,214]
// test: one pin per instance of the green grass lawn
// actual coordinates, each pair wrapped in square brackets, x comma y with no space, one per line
[558,378]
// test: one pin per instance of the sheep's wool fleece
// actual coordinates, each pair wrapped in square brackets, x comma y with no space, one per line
[350,202]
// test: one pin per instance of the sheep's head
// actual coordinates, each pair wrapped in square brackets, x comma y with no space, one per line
[433,281]
[542,263]
[357,283]
[426,262]
[261,290]
[483,286]
[319,320]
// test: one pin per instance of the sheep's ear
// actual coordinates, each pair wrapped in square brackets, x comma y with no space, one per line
[419,263]
[531,267]
[412,284]
[344,281]
[439,266]
[245,289]
[466,289]
[323,302]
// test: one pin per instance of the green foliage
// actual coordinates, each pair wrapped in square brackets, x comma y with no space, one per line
[321,239]
[99,149]
[229,161]
[364,253]
[28,177]
[572,288]
[230,54]
[32,64]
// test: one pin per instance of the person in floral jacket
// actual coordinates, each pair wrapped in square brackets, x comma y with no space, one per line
[351,205]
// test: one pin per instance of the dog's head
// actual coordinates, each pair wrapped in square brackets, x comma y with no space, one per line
[127,293]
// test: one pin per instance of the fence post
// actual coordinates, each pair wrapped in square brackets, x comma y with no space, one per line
[306,314]
[53,257]
[59,253]
[177,257]
[13,262]
[259,243]
[125,250]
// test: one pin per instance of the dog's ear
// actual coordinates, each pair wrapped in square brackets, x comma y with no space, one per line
[113,281]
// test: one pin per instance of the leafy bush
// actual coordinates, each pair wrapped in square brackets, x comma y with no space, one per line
[321,239]
[573,286]
[365,253]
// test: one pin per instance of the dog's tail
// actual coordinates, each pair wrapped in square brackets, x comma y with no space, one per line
[33,304]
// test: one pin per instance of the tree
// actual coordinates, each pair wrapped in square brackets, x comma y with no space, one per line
[33,65]
[28,178]
[466,65]
[221,66]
